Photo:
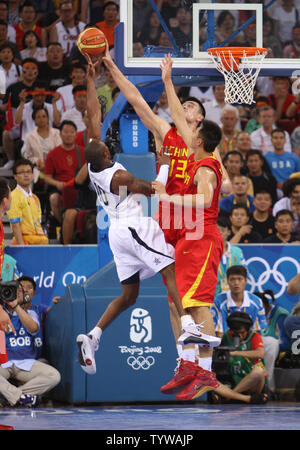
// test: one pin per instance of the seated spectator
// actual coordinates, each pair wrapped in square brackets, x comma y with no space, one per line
[169,10]
[261,219]
[27,14]
[81,8]
[11,102]
[292,50]
[270,40]
[141,9]
[25,212]
[151,31]
[293,112]
[11,32]
[213,108]
[261,179]
[290,201]
[253,123]
[284,223]
[76,113]
[5,38]
[281,163]
[229,119]
[243,143]
[285,16]
[25,110]
[12,71]
[281,99]
[35,377]
[238,299]
[233,162]
[13,12]
[32,47]
[104,93]
[241,231]
[275,315]
[183,31]
[55,71]
[78,77]
[246,362]
[86,200]
[240,186]
[232,255]
[226,25]
[67,28]
[107,26]
[295,141]
[162,108]
[40,141]
[261,138]
[60,166]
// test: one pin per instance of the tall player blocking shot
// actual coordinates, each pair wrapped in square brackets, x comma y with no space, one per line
[137,242]
[199,249]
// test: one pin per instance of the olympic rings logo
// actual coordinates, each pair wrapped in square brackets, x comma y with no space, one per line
[265,275]
[140,362]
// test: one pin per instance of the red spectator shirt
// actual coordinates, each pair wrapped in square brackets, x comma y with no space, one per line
[62,164]
[20,34]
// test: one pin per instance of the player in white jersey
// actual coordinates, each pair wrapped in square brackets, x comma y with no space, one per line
[137,242]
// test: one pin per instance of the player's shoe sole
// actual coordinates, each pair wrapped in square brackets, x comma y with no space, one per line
[194,335]
[86,353]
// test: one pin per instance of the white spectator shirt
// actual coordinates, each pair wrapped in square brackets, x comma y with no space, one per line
[76,117]
[68,36]
[67,101]
[260,140]
[203,96]
[28,123]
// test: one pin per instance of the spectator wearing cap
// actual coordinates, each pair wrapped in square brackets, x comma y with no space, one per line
[76,113]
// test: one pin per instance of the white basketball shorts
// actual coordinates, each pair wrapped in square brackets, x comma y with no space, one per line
[139,247]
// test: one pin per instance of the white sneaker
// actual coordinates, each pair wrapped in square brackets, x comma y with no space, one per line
[194,335]
[87,346]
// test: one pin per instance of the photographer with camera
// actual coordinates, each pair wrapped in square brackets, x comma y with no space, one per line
[35,377]
[242,350]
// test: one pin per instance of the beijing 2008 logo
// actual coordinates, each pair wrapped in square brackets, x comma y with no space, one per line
[140,332]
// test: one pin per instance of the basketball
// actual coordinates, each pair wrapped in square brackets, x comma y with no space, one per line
[91,41]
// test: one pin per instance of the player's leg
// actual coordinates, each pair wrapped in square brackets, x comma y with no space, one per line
[89,343]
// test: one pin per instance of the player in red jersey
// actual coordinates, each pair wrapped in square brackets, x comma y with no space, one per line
[167,137]
[199,247]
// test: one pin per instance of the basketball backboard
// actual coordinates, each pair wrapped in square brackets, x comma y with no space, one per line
[212,24]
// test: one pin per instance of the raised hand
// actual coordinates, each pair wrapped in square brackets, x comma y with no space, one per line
[166,68]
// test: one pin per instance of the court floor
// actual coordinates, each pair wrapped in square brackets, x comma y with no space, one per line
[273,416]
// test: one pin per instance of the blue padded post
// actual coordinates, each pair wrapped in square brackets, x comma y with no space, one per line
[64,322]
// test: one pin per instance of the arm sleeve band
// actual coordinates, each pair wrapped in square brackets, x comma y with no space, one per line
[163,174]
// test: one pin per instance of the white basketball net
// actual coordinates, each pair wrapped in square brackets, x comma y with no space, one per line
[240,78]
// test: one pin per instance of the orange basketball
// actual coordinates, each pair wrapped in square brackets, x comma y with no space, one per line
[91,41]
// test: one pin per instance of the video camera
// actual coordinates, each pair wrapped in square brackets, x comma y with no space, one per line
[9,292]
[221,355]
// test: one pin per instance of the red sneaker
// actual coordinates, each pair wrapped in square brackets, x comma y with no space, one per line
[204,381]
[184,373]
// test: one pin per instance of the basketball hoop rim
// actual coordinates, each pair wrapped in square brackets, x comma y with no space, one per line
[237,52]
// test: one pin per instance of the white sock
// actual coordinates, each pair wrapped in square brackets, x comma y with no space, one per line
[187,321]
[96,333]
[205,363]
[188,354]
[179,350]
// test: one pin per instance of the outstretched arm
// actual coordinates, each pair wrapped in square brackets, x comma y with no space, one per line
[176,108]
[154,123]
[93,107]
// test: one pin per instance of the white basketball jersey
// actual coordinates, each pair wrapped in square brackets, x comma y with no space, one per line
[123,207]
